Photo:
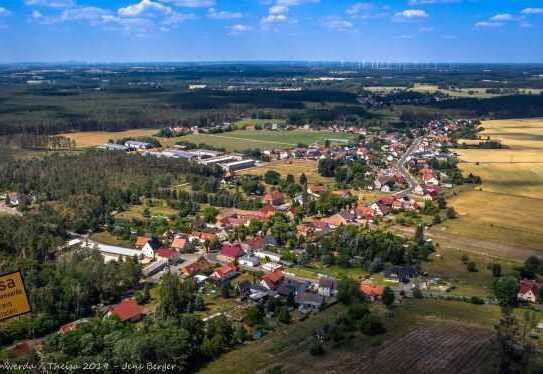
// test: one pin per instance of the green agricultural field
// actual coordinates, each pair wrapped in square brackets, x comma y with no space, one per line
[264,139]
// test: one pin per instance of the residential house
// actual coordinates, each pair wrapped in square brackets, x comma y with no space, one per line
[274,198]
[141,241]
[224,272]
[180,244]
[272,280]
[529,290]
[150,248]
[401,273]
[126,310]
[196,267]
[268,256]
[315,190]
[272,266]
[172,257]
[309,301]
[342,218]
[230,252]
[364,213]
[327,287]
[249,260]
[305,229]
[372,291]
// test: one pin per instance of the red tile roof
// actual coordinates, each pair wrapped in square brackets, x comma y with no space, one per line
[372,289]
[231,250]
[219,273]
[165,253]
[179,243]
[273,279]
[126,310]
[141,241]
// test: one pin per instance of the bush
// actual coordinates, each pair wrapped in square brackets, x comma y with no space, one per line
[472,267]
[371,326]
[316,349]
[417,293]
[476,300]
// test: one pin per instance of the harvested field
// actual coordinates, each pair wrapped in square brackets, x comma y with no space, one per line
[94,138]
[434,349]
[295,167]
[508,207]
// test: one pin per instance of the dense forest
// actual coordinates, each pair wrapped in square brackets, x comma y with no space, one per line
[85,188]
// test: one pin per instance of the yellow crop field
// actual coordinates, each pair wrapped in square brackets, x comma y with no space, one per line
[508,206]
[94,138]
[296,168]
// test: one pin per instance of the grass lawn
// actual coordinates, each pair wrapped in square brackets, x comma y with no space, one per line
[105,237]
[294,167]
[136,212]
[449,266]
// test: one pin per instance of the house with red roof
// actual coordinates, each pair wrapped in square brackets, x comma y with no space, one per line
[196,267]
[230,252]
[141,241]
[364,213]
[372,291]
[274,198]
[267,211]
[126,310]
[529,290]
[167,254]
[315,190]
[272,280]
[224,272]
[180,244]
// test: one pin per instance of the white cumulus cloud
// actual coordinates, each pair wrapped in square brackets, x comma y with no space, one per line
[144,7]
[412,14]
[488,24]
[339,25]
[532,11]
[51,3]
[222,14]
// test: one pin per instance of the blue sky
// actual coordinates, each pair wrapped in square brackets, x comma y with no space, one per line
[197,30]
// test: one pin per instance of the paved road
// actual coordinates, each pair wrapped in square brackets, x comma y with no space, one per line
[411,181]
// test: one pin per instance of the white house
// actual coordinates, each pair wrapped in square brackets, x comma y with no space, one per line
[270,256]
[248,260]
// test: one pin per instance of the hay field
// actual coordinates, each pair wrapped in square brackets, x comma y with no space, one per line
[508,208]
[296,168]
[94,138]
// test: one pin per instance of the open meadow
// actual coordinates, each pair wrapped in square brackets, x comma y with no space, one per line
[508,207]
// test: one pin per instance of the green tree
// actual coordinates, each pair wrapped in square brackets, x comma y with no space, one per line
[506,290]
[348,291]
[284,315]
[210,214]
[419,234]
[388,297]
